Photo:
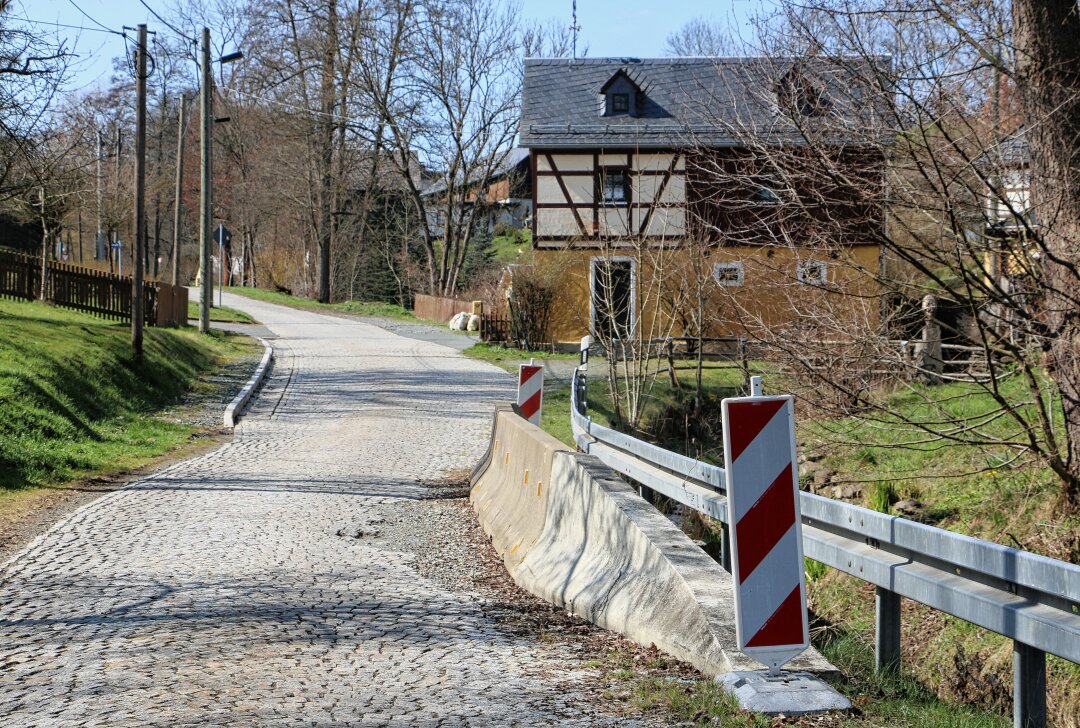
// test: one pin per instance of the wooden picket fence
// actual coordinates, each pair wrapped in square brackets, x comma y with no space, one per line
[495,327]
[92,291]
[435,308]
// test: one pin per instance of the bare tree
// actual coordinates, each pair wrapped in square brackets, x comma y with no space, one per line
[459,96]
[700,37]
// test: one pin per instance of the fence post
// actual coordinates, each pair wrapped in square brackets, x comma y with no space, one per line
[725,547]
[1029,686]
[928,350]
[887,631]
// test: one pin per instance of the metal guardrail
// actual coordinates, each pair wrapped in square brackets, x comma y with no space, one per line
[1031,599]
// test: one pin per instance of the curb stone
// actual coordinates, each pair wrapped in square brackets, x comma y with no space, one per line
[232,412]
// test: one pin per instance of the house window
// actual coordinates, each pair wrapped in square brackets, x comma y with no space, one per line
[728,274]
[620,103]
[813,273]
[615,183]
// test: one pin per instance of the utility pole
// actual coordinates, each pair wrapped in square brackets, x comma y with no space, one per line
[100,247]
[177,209]
[139,245]
[205,211]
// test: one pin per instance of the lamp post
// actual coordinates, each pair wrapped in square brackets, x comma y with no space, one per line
[206,93]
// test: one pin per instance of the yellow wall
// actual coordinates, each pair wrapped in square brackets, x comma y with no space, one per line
[770,295]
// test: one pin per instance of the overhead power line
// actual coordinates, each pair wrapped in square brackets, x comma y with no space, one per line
[94,20]
[167,24]
[68,25]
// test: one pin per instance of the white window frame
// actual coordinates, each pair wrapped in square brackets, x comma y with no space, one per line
[737,266]
[804,267]
[593,262]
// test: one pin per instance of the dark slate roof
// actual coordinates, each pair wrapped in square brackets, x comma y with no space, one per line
[1012,152]
[687,101]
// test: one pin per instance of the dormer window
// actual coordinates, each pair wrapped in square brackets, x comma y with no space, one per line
[620,96]
[796,94]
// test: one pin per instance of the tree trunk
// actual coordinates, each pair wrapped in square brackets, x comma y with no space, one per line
[1047,37]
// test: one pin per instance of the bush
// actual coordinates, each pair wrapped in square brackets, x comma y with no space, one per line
[531,298]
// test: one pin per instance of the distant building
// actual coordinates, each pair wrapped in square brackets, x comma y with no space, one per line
[504,198]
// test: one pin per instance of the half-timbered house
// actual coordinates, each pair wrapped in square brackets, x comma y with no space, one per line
[634,160]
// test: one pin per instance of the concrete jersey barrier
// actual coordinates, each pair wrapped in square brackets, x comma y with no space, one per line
[571,531]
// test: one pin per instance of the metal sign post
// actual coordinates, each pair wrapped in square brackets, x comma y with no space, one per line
[766,534]
[223,238]
[583,368]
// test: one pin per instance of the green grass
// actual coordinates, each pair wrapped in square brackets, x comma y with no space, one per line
[516,248]
[884,701]
[74,403]
[376,309]
[890,700]
[222,314]
[508,358]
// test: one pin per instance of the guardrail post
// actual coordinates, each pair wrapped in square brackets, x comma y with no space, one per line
[887,632]
[1029,686]
[647,494]
[725,547]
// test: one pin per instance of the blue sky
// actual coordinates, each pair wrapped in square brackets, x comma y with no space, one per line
[608,27]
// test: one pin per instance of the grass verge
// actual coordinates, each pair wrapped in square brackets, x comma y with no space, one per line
[73,403]
[221,314]
[376,309]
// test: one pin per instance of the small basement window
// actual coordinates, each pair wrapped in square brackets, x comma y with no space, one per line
[813,273]
[729,274]
[620,103]
[615,184]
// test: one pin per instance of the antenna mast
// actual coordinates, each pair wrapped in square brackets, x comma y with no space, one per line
[574,28]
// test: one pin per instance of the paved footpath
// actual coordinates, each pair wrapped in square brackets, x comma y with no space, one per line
[217,592]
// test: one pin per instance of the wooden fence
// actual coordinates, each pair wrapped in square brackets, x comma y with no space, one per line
[96,292]
[434,308]
[495,327]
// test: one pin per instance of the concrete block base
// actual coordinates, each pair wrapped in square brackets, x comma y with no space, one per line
[789,694]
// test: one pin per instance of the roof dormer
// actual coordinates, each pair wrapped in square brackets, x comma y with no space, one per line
[798,95]
[620,96]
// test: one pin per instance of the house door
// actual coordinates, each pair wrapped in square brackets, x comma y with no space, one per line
[612,298]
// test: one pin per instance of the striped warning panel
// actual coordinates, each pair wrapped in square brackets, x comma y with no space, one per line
[530,393]
[766,537]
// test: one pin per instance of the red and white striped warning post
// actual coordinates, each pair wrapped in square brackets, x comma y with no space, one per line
[766,533]
[530,393]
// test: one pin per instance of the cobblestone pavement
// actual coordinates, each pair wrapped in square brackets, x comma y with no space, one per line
[219,591]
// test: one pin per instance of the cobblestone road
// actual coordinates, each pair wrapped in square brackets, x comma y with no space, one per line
[218,591]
